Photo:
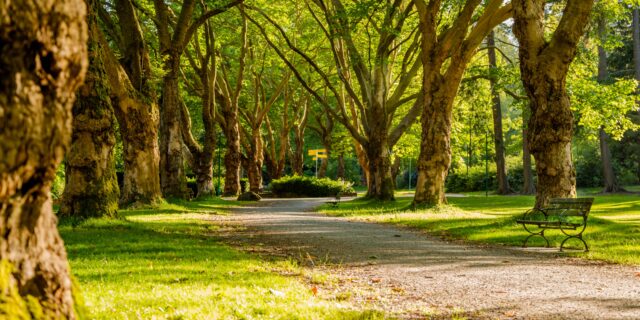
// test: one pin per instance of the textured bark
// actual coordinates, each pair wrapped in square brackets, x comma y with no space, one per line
[134,102]
[173,179]
[444,59]
[91,187]
[255,159]
[232,156]
[380,182]
[324,128]
[503,183]
[543,68]
[43,58]
[297,153]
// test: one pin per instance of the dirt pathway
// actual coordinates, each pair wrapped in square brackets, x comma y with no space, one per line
[416,276]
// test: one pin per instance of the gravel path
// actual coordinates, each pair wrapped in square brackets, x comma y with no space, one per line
[415,275]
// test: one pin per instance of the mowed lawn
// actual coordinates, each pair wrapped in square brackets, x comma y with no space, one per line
[166,263]
[613,231]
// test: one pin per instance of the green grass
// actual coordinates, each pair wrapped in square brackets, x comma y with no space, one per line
[166,263]
[613,231]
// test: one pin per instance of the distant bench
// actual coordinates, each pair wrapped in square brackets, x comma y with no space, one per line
[568,215]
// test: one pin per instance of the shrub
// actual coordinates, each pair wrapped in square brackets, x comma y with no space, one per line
[308,187]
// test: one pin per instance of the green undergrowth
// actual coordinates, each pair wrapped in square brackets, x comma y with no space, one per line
[166,263]
[613,231]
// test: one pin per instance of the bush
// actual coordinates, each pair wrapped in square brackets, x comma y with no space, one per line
[308,187]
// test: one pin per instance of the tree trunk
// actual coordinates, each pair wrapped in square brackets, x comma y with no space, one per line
[380,182]
[172,173]
[232,157]
[340,171]
[543,69]
[91,187]
[610,181]
[529,186]
[43,58]
[134,102]
[435,155]
[297,154]
[395,170]
[255,161]
[501,172]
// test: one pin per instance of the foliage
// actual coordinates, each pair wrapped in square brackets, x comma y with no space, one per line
[57,188]
[167,265]
[308,187]
[613,233]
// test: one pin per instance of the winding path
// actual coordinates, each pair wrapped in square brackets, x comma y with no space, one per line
[413,274]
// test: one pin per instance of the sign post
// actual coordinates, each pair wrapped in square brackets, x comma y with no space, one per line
[318,154]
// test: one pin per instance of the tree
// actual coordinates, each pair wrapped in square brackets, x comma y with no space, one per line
[498,137]
[43,58]
[91,188]
[133,98]
[373,76]
[446,49]
[543,67]
[172,44]
[324,128]
[296,150]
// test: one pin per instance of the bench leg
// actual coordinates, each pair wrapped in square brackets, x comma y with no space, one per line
[586,247]
[541,233]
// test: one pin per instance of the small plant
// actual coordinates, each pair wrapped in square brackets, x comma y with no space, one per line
[301,186]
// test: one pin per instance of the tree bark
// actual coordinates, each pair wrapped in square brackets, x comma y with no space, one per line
[444,60]
[543,69]
[134,102]
[172,174]
[255,159]
[232,156]
[501,167]
[380,182]
[43,59]
[395,170]
[91,188]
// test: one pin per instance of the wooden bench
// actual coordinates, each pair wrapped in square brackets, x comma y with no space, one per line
[567,215]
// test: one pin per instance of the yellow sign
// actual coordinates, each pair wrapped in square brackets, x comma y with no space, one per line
[320,156]
[313,152]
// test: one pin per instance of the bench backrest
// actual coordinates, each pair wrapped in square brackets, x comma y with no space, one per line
[572,206]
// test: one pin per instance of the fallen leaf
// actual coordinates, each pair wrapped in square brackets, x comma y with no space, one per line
[314,289]
[376,280]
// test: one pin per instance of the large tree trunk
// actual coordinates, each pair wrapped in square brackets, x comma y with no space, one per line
[435,155]
[380,182]
[528,186]
[172,173]
[543,68]
[91,187]
[134,102]
[43,58]
[501,172]
[395,170]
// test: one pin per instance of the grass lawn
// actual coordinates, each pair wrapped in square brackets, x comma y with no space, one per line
[166,263]
[613,231]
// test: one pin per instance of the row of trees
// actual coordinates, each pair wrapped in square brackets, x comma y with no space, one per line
[166,74]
